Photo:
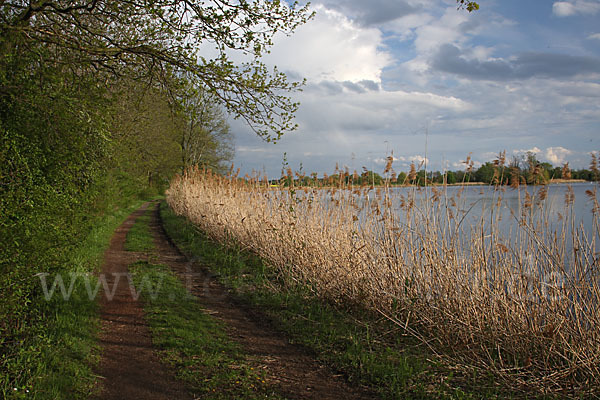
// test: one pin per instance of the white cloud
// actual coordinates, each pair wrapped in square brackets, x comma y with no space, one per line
[331,47]
[384,160]
[372,111]
[417,158]
[429,33]
[248,149]
[488,156]
[535,150]
[404,27]
[572,7]
[350,114]
[432,35]
[556,155]
[405,161]
[563,9]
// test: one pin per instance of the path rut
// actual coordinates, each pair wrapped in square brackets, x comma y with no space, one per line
[130,367]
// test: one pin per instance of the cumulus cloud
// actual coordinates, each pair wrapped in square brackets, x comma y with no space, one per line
[446,29]
[573,7]
[534,150]
[374,11]
[449,58]
[417,158]
[556,155]
[563,9]
[331,47]
[369,85]
[579,90]
[249,149]
[336,87]
[404,161]
[331,106]
[383,161]
[428,32]
[478,81]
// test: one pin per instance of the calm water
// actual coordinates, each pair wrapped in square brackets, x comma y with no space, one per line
[475,201]
[486,205]
[493,213]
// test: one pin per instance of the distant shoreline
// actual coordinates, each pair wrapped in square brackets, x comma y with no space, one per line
[567,181]
[550,182]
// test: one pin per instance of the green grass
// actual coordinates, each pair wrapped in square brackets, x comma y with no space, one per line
[195,343]
[54,358]
[139,237]
[366,348]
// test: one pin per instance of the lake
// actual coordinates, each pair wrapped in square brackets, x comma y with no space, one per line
[477,201]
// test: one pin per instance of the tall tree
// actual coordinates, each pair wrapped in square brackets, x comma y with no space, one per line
[144,131]
[205,139]
[150,38]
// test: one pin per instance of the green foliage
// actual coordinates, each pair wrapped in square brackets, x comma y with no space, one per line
[158,133]
[485,173]
[49,349]
[204,138]
[144,134]
[370,178]
[470,6]
[54,187]
[153,40]
[52,143]
[583,174]
[91,114]
[450,178]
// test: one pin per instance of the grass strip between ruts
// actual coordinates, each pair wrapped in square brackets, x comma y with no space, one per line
[139,236]
[194,342]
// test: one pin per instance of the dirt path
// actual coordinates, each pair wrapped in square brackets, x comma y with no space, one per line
[289,367]
[129,367]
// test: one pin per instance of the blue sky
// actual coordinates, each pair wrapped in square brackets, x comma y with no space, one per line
[516,75]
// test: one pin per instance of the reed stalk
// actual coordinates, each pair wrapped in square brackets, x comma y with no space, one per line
[522,305]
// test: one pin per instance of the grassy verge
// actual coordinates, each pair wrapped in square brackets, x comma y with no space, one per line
[366,348]
[139,237]
[193,342]
[54,358]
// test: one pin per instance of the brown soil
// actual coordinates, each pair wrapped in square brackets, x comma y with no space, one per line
[132,370]
[129,367]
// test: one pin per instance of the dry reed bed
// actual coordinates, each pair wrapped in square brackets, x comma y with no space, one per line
[524,305]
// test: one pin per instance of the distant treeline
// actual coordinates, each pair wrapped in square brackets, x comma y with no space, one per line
[525,170]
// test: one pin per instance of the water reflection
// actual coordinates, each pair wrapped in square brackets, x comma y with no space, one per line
[480,203]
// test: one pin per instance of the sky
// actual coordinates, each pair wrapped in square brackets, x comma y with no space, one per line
[426,81]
